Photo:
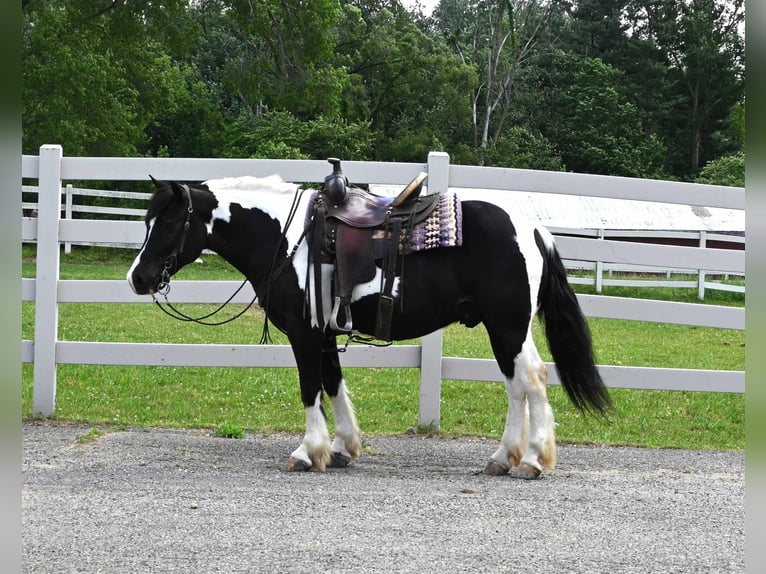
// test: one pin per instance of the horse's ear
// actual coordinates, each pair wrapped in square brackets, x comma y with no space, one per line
[157,183]
[177,189]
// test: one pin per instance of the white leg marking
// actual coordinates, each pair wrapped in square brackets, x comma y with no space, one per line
[347,440]
[315,449]
[532,373]
[514,441]
[301,454]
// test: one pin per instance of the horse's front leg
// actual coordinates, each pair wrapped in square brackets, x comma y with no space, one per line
[314,450]
[347,444]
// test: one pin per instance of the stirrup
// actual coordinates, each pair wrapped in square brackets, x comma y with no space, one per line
[334,317]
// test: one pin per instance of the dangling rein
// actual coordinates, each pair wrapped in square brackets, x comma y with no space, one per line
[271,274]
[181,316]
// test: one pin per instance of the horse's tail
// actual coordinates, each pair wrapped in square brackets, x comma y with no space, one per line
[568,334]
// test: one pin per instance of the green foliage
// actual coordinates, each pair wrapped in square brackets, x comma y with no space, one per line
[228,429]
[728,170]
[409,85]
[89,437]
[520,148]
[635,88]
[285,64]
[597,129]
[191,122]
[698,45]
[281,135]
[93,78]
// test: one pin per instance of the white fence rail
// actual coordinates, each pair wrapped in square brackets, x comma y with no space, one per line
[596,270]
[47,290]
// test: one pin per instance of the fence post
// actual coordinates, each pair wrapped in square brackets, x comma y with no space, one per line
[429,413]
[600,267]
[431,345]
[46,280]
[68,213]
[701,272]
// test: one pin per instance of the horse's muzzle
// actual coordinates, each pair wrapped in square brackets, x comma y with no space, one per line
[140,285]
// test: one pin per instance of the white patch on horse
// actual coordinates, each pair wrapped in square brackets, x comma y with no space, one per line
[274,197]
[373,287]
[137,260]
[525,238]
[547,237]
[271,195]
[315,448]
[347,440]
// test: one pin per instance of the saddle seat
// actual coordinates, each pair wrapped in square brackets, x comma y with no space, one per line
[353,229]
[363,209]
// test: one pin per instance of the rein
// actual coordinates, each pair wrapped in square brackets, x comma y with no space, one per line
[181,316]
[172,260]
[272,273]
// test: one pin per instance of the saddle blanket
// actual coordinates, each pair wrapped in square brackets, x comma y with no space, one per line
[442,228]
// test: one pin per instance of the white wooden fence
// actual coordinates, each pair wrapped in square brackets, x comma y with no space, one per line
[600,273]
[47,290]
[642,276]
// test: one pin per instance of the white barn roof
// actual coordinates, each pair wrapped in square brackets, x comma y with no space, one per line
[579,212]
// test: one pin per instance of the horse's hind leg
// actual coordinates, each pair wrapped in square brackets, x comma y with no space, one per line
[531,378]
[528,444]
[347,443]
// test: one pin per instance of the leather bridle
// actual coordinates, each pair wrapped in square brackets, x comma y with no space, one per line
[171,263]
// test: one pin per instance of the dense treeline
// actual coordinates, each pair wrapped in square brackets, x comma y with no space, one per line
[644,88]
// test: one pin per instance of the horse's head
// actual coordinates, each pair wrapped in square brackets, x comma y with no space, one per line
[174,237]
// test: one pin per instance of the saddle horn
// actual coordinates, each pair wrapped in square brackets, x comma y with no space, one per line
[335,184]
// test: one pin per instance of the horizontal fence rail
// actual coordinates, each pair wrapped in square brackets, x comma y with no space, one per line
[133,239]
[47,290]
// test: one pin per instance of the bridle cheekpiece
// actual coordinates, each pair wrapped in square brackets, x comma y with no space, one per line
[172,260]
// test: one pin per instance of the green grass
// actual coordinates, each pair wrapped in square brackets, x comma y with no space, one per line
[228,429]
[234,400]
[89,437]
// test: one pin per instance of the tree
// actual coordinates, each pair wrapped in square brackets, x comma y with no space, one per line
[727,170]
[94,74]
[499,39]
[595,126]
[520,147]
[705,55]
[285,61]
[282,135]
[631,87]
[408,85]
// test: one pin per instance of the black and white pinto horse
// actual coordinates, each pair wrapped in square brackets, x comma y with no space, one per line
[504,273]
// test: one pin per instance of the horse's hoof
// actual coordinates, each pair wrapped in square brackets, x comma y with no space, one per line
[526,472]
[339,460]
[496,469]
[297,465]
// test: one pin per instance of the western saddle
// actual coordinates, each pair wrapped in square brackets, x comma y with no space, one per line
[357,231]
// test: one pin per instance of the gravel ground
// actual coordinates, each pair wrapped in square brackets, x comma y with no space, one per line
[176,501]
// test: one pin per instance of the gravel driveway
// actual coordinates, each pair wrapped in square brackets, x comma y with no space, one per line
[173,501]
